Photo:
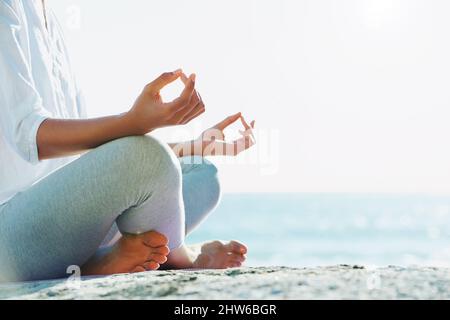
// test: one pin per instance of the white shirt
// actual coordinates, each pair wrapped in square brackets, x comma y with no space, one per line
[36,83]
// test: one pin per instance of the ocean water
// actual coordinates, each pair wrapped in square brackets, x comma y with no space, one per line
[324,229]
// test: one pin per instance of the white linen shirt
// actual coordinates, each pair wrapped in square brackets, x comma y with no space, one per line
[36,83]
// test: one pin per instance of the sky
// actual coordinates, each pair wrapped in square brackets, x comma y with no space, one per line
[348,95]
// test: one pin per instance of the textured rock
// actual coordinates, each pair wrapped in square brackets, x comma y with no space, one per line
[336,282]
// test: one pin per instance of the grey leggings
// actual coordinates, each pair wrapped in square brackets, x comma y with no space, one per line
[131,185]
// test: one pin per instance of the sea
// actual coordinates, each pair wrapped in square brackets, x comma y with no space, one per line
[308,229]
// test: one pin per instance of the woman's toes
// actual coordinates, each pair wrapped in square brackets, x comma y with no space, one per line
[235,264]
[237,257]
[151,265]
[203,261]
[236,247]
[155,239]
[164,250]
[159,258]
[212,247]
[138,269]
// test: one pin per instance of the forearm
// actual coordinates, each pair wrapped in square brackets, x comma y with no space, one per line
[61,138]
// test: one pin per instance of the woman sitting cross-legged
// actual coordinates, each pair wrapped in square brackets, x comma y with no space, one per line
[98,193]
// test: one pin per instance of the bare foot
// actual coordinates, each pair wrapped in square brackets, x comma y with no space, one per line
[218,255]
[130,254]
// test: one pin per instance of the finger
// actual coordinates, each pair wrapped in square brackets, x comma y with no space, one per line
[183,113]
[163,80]
[196,112]
[245,124]
[242,144]
[185,98]
[246,133]
[194,116]
[198,105]
[184,78]
[233,148]
[249,132]
[228,121]
[248,128]
[196,99]
[196,95]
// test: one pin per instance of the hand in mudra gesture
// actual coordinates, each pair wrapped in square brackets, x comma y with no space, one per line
[213,141]
[150,112]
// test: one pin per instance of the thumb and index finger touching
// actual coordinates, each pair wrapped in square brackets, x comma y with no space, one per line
[169,77]
[163,80]
[232,119]
[228,121]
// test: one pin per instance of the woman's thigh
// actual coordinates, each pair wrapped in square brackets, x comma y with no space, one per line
[61,220]
[201,194]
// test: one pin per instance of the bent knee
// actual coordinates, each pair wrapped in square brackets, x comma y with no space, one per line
[213,182]
[144,157]
[199,164]
[205,174]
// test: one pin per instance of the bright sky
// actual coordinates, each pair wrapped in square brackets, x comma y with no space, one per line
[349,95]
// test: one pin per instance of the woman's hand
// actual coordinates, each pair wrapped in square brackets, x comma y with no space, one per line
[150,112]
[65,137]
[212,141]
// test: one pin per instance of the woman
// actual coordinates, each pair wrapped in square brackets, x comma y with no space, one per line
[127,204]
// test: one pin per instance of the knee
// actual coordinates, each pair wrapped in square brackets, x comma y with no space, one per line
[145,158]
[208,177]
[213,181]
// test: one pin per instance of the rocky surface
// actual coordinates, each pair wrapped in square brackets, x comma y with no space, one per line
[335,282]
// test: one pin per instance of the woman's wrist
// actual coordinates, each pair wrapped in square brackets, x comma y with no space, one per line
[131,125]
